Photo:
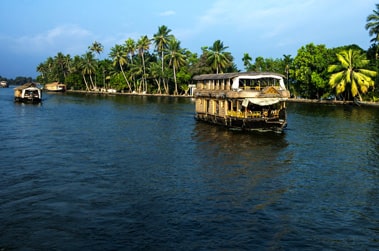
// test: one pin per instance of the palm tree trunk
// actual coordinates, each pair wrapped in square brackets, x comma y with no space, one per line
[93,86]
[85,81]
[176,85]
[144,73]
[126,79]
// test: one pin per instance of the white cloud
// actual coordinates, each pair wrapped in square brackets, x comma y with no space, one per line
[167,13]
[66,39]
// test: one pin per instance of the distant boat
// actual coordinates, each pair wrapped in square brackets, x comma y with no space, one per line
[247,101]
[4,84]
[55,87]
[28,93]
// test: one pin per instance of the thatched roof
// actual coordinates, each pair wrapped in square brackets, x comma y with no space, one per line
[233,75]
[27,85]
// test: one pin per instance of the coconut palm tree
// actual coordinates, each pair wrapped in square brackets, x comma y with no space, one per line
[246,61]
[143,44]
[118,55]
[62,66]
[372,24]
[351,74]
[177,58]
[96,47]
[88,67]
[217,57]
[161,40]
[130,47]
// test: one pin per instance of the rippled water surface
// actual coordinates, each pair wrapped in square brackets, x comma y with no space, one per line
[83,172]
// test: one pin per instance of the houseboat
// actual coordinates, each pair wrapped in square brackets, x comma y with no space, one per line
[28,93]
[55,87]
[246,101]
[4,84]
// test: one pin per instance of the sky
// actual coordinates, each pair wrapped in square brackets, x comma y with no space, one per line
[33,30]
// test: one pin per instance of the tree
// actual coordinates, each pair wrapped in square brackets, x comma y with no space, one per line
[372,24]
[130,47]
[217,57]
[161,40]
[350,74]
[246,61]
[310,69]
[143,44]
[287,60]
[118,56]
[177,57]
[88,67]
[96,47]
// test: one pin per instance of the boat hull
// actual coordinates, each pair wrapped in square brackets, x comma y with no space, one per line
[28,100]
[244,124]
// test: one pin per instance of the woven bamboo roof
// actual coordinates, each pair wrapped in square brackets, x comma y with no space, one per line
[27,85]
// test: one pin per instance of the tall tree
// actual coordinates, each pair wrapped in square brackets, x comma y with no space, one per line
[287,60]
[372,24]
[88,67]
[161,40]
[246,61]
[118,55]
[96,47]
[311,70]
[177,57]
[351,74]
[130,47]
[217,57]
[143,44]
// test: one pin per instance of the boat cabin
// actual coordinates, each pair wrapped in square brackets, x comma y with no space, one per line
[246,101]
[28,93]
[55,87]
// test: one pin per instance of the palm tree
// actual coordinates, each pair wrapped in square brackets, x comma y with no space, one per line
[161,40]
[118,56]
[177,57]
[217,57]
[143,44]
[287,60]
[62,63]
[372,24]
[155,73]
[88,67]
[246,61]
[96,47]
[130,47]
[351,74]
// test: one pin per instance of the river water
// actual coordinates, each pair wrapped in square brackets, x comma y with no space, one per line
[86,172]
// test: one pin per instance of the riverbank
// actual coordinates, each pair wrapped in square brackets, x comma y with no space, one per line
[128,94]
[293,100]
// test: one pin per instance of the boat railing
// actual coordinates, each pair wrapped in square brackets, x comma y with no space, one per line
[254,114]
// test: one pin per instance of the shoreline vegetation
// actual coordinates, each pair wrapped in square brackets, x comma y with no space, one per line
[159,64]
[290,100]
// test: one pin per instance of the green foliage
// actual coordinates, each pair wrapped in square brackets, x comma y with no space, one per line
[350,76]
[133,67]
[310,70]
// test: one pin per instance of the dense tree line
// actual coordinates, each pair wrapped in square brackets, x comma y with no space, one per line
[160,65]
[17,81]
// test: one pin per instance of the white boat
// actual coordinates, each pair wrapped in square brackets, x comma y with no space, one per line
[246,101]
[28,93]
[4,84]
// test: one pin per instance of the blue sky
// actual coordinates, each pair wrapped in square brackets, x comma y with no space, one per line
[32,30]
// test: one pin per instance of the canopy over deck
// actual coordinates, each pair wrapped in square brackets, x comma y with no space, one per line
[236,76]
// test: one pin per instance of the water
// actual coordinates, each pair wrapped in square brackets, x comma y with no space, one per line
[83,172]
